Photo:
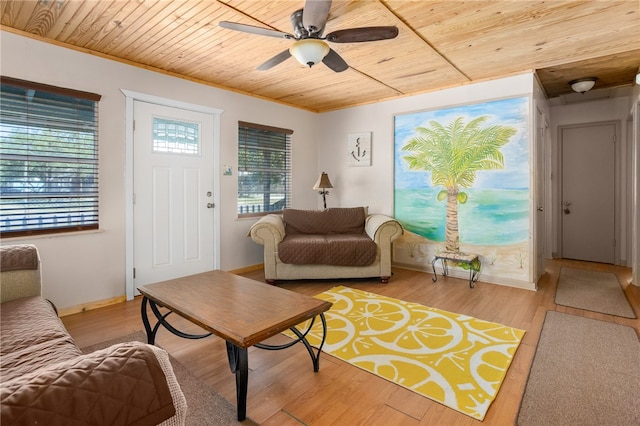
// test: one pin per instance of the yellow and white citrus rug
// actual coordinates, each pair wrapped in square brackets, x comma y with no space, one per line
[454,359]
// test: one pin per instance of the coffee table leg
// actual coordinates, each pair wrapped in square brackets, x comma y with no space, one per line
[316,361]
[151,333]
[162,320]
[239,363]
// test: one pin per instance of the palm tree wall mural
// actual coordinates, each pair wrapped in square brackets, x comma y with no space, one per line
[454,154]
[462,183]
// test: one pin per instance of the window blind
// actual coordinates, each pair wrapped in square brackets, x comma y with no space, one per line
[264,169]
[48,159]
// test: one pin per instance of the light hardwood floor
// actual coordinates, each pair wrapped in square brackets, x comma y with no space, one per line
[283,390]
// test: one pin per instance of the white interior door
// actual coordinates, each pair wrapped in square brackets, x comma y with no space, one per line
[540,195]
[588,193]
[173,181]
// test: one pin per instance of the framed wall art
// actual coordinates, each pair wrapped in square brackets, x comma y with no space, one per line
[359,149]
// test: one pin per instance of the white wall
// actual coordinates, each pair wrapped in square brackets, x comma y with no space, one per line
[374,186]
[594,112]
[88,267]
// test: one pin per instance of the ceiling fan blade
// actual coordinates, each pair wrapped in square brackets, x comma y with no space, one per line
[356,35]
[280,57]
[254,30]
[315,14]
[335,61]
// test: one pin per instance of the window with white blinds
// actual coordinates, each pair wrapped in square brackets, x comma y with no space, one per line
[48,159]
[264,169]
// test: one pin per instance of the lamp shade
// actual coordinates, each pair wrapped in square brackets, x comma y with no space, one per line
[323,182]
[309,51]
[582,85]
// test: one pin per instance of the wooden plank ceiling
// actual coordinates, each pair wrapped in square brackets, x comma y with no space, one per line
[440,43]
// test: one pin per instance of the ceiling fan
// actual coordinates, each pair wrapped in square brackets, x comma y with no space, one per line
[310,46]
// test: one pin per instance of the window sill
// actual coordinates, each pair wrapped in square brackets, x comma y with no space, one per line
[53,235]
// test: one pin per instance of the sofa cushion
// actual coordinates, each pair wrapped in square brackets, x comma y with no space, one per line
[338,250]
[324,222]
[120,385]
[32,335]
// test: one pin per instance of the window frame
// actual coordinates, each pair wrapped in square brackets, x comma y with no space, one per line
[72,184]
[263,138]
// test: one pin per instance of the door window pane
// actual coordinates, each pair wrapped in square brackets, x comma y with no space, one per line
[176,137]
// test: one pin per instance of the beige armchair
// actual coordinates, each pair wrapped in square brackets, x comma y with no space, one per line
[270,231]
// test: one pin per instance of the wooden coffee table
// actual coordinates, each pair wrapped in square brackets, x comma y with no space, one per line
[243,312]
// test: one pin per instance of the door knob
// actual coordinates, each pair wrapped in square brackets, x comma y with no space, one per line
[567,211]
[209,205]
[540,209]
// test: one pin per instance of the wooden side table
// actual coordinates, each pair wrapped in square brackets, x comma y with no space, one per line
[470,259]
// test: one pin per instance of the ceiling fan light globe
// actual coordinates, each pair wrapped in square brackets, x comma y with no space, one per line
[309,51]
[583,85]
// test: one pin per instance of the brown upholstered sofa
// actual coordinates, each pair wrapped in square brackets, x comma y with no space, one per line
[331,243]
[46,379]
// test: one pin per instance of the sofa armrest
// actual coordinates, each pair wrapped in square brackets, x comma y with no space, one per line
[20,274]
[268,230]
[382,228]
[124,384]
[179,400]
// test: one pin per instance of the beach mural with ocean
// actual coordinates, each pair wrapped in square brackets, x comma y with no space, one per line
[462,183]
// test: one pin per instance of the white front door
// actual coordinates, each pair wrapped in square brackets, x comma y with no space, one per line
[173,182]
[588,193]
